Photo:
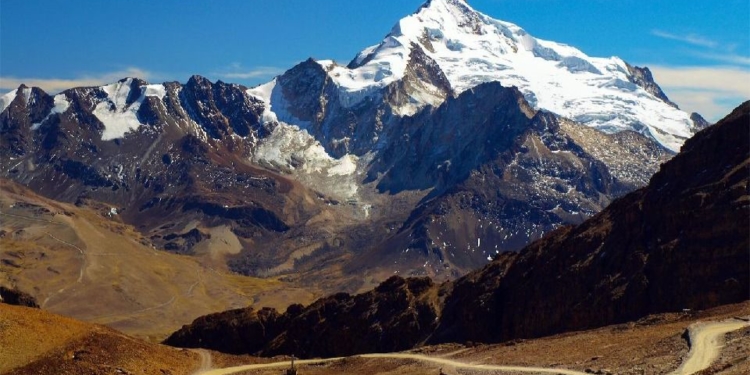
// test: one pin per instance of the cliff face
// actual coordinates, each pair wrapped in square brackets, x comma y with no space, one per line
[681,242]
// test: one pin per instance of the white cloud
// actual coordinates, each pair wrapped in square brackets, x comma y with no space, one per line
[693,39]
[710,49]
[711,91]
[54,85]
[729,58]
[237,71]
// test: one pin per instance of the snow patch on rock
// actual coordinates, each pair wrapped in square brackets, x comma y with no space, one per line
[61,105]
[118,117]
[158,91]
[344,166]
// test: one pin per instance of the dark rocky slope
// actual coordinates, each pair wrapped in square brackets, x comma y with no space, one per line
[682,242]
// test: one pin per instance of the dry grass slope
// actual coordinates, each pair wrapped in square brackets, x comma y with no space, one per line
[85,264]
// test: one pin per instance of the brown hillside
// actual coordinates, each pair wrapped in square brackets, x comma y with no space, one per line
[34,341]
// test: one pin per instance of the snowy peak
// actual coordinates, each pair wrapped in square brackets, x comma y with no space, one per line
[472,48]
[445,4]
[454,8]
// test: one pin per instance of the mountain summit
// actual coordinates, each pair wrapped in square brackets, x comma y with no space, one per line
[470,48]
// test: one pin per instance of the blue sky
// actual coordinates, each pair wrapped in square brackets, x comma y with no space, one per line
[699,51]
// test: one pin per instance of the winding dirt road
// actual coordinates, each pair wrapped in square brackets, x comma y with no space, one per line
[416,357]
[706,341]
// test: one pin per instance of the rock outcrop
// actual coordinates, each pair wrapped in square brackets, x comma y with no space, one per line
[12,296]
[394,316]
[699,123]
[642,77]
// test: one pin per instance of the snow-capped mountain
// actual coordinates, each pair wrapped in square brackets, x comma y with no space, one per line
[456,138]
[470,48]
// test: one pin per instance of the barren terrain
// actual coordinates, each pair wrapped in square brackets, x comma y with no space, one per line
[84,264]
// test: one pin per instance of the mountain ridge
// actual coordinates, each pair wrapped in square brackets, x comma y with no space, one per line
[193,155]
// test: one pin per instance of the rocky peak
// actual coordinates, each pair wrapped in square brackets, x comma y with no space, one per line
[441,146]
[699,123]
[136,87]
[27,96]
[221,109]
[423,83]
[197,81]
[20,111]
[302,86]
[7,99]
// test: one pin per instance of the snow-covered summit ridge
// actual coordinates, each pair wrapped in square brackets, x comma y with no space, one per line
[472,48]
[117,109]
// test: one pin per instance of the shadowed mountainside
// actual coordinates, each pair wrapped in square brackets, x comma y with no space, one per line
[681,242]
